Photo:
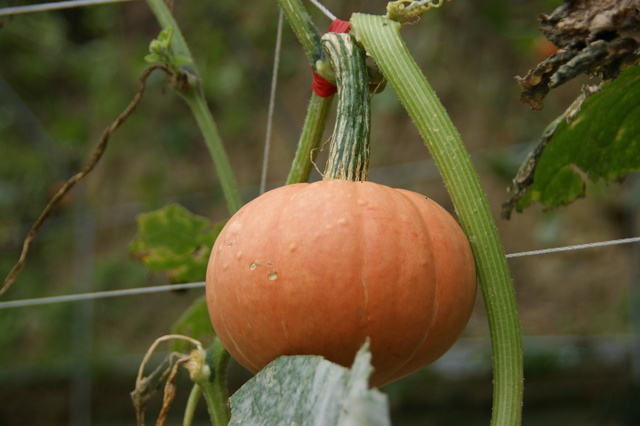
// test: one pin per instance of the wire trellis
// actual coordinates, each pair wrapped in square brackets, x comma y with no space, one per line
[47,7]
[173,287]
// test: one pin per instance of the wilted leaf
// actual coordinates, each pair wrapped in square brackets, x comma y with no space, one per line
[175,241]
[601,141]
[309,390]
[599,37]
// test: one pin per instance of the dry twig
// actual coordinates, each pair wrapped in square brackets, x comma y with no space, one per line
[144,390]
[95,157]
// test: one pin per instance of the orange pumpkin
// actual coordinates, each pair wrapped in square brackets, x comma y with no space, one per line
[319,268]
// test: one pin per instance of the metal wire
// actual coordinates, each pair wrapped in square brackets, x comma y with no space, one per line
[575,247]
[272,103]
[162,288]
[98,295]
[324,10]
[45,7]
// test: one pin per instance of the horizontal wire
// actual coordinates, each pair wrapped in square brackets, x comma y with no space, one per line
[98,295]
[170,287]
[575,247]
[45,7]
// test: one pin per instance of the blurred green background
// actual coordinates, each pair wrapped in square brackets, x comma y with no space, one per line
[65,75]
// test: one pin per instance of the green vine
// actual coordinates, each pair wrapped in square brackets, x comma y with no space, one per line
[306,32]
[214,386]
[172,48]
[407,10]
[310,138]
[209,372]
[381,38]
[319,107]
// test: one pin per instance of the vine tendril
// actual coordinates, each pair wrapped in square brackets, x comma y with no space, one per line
[407,10]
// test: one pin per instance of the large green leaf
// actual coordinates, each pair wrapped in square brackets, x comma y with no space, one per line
[175,241]
[601,141]
[309,390]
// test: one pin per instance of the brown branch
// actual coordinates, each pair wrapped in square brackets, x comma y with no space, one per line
[170,390]
[95,157]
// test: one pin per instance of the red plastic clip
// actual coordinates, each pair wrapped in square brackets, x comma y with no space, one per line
[320,86]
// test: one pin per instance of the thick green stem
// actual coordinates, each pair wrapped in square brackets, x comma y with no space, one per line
[194,97]
[349,151]
[310,138]
[319,107]
[214,387]
[219,156]
[304,29]
[381,38]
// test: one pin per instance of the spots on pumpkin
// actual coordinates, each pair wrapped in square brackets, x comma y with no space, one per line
[234,227]
[273,275]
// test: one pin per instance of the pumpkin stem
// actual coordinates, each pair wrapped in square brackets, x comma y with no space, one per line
[349,150]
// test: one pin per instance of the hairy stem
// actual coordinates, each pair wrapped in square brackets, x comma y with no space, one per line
[214,387]
[202,114]
[304,29]
[310,138]
[319,107]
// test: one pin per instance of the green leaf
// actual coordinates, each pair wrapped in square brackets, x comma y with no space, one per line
[599,142]
[180,61]
[164,38]
[311,390]
[194,322]
[175,241]
[156,47]
[160,51]
[153,58]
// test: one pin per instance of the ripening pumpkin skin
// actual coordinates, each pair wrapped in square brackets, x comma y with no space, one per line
[319,268]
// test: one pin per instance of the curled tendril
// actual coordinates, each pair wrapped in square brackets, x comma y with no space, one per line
[408,10]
